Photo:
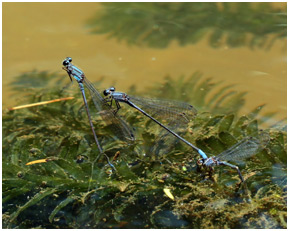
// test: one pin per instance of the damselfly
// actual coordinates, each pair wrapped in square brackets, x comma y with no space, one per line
[246,148]
[163,108]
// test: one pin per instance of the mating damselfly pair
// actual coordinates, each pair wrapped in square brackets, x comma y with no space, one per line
[174,112]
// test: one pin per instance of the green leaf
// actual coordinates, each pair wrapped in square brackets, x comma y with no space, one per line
[37,197]
[61,205]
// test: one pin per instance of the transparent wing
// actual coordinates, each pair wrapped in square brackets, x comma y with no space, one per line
[174,114]
[118,126]
[243,149]
[163,144]
[169,110]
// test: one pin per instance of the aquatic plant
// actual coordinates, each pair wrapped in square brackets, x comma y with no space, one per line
[71,190]
[158,24]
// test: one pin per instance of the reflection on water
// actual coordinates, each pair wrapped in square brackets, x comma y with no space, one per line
[38,42]
[241,44]
[157,24]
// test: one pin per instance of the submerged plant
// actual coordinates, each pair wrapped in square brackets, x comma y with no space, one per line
[158,24]
[71,190]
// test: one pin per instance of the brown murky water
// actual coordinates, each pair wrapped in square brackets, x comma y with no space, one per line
[40,35]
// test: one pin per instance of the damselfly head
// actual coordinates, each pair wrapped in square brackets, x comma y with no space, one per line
[200,162]
[108,91]
[67,61]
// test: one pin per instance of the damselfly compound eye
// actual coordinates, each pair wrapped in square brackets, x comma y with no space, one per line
[65,63]
[112,89]
[106,92]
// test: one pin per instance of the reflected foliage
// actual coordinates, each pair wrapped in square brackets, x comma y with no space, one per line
[206,95]
[74,191]
[38,82]
[158,24]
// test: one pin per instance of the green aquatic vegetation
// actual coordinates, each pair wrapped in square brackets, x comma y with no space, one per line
[158,24]
[72,190]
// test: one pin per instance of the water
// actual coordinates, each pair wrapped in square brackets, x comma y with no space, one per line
[61,34]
